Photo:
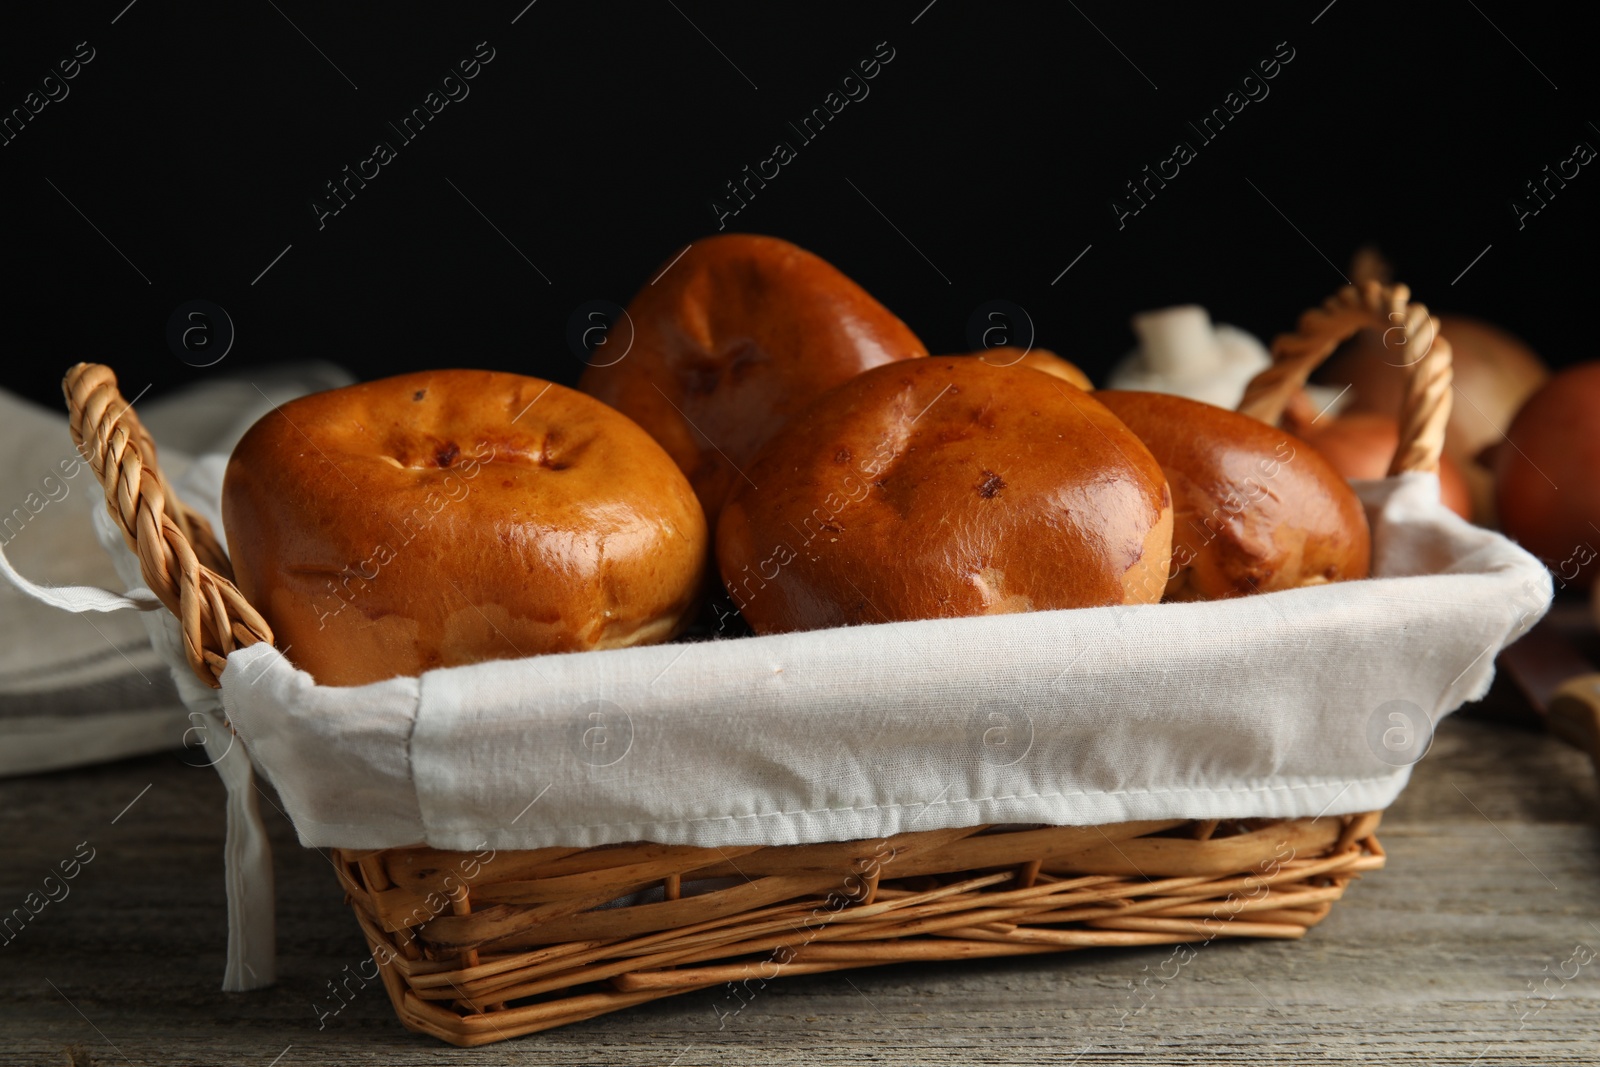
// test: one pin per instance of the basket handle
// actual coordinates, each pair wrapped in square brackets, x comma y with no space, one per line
[1406,326]
[179,556]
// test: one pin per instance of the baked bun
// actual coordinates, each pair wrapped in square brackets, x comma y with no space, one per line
[1039,359]
[730,340]
[943,487]
[1256,509]
[449,517]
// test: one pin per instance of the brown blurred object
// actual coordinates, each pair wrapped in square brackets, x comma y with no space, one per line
[1038,359]
[1547,483]
[1495,373]
[732,338]
[1360,445]
[1560,683]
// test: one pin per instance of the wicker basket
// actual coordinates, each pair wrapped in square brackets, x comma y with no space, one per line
[477,947]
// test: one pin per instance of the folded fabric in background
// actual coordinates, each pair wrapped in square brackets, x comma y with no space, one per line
[82,689]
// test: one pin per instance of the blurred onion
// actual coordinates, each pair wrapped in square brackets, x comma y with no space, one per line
[1495,373]
[1361,445]
[1547,484]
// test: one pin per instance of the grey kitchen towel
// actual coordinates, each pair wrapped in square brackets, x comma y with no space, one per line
[82,689]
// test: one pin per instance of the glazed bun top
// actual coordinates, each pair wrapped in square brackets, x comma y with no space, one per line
[1255,509]
[944,487]
[1039,359]
[449,517]
[730,341]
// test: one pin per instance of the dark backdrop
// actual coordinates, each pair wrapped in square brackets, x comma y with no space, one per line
[983,162]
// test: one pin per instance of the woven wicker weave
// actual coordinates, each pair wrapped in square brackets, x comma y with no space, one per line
[477,947]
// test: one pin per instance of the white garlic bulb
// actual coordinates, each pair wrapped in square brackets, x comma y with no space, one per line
[1182,352]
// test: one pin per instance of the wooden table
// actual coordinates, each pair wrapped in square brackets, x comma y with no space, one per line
[1462,951]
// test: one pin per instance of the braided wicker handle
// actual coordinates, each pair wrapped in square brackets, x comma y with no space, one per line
[1407,329]
[178,554]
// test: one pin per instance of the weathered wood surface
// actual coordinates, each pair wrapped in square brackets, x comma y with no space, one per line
[1461,952]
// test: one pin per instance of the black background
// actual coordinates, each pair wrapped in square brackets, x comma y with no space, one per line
[596,139]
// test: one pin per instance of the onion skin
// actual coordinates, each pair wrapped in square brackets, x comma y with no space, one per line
[1496,371]
[1547,486]
[1362,444]
[1494,374]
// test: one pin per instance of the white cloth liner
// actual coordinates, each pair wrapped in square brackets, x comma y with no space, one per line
[247,855]
[1260,706]
[1265,706]
[80,598]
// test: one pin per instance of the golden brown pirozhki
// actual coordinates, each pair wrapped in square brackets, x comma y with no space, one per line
[944,487]
[1255,509]
[450,517]
[730,341]
[1039,359]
